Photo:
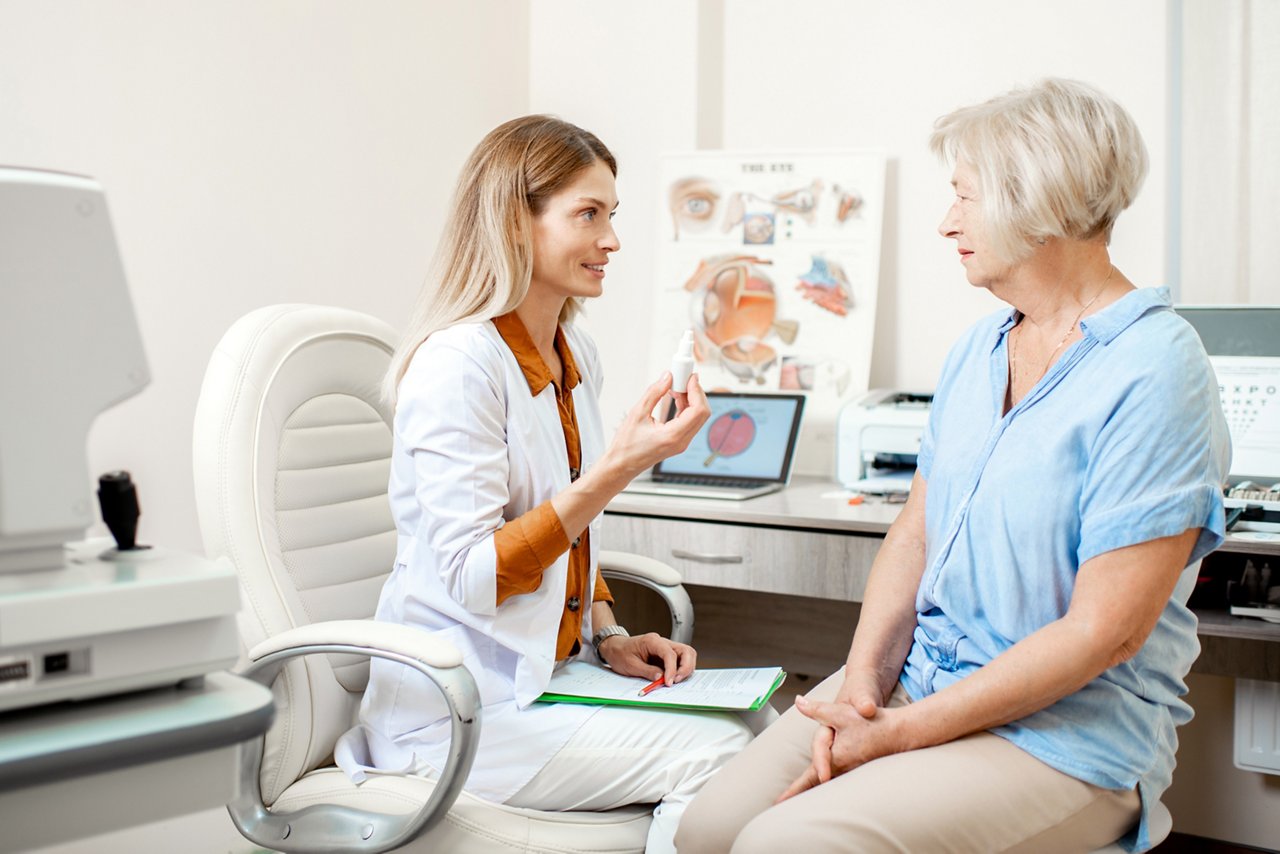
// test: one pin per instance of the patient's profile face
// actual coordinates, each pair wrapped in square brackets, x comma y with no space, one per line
[573,235]
[966,224]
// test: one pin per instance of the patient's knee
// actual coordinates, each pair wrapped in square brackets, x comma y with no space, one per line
[708,826]
[795,828]
[765,834]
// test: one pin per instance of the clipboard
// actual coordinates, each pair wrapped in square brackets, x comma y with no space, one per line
[731,689]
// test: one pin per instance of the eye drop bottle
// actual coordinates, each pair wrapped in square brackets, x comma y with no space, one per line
[682,363]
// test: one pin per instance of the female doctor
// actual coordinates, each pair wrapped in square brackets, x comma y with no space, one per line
[498,476]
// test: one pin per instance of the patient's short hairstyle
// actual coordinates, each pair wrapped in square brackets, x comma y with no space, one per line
[1058,159]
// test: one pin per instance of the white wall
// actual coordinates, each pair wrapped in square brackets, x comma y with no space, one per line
[827,73]
[835,73]
[627,72]
[1230,124]
[252,153]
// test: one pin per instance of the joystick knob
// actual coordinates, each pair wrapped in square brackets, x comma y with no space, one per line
[119,502]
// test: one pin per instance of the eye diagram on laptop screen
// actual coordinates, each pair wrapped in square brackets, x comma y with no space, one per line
[748,436]
[730,435]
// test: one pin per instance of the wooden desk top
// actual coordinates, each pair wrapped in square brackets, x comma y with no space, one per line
[815,503]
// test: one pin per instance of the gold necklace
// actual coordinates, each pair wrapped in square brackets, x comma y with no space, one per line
[1013,350]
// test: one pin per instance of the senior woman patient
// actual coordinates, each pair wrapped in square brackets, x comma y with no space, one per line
[1014,682]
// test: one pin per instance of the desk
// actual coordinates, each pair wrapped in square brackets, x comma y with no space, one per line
[746,560]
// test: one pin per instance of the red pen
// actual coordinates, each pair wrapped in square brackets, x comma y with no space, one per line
[657,683]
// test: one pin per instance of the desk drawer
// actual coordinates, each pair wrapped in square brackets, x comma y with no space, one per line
[743,557]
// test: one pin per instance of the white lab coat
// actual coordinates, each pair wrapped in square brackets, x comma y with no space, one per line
[474,449]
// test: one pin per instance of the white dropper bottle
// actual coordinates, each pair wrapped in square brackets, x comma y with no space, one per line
[682,363]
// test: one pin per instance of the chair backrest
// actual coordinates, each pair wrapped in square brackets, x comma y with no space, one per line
[292,450]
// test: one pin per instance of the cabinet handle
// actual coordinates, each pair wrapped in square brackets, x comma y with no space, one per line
[706,558]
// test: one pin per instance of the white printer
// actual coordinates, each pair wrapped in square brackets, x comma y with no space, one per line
[878,437]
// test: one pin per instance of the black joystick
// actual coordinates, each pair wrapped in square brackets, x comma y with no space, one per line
[119,502]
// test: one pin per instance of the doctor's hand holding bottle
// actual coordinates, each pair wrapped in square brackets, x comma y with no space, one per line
[642,440]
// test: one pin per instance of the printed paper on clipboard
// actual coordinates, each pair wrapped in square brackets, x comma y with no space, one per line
[727,688]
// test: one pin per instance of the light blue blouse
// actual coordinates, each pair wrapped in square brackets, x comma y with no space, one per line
[1121,442]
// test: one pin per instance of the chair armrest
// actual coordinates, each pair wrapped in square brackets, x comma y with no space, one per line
[657,576]
[371,634]
[646,570]
[334,828]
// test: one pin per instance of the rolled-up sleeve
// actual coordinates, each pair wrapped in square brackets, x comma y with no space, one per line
[1156,469]
[601,592]
[525,547]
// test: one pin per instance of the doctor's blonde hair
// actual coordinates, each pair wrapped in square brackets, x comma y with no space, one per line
[1058,159]
[484,263]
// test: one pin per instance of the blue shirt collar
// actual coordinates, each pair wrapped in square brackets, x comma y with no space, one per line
[1112,320]
[1117,317]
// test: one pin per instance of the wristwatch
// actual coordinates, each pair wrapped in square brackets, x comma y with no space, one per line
[606,633]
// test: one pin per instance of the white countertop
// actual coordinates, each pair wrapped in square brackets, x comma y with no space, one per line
[809,502]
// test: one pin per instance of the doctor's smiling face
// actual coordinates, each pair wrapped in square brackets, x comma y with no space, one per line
[964,223]
[573,235]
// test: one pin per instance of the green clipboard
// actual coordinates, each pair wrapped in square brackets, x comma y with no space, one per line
[658,702]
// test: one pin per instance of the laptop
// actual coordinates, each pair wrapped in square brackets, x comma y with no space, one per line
[745,449]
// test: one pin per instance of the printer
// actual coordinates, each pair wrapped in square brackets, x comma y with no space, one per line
[80,618]
[878,438]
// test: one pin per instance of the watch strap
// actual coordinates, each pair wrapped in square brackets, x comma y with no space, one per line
[608,632]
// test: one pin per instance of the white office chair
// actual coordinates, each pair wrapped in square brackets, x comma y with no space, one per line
[292,454]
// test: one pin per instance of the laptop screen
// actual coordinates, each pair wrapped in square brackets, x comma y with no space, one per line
[747,436]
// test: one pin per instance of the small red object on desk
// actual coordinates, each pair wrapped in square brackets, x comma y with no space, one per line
[655,684]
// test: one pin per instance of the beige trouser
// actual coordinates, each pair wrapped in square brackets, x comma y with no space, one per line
[976,794]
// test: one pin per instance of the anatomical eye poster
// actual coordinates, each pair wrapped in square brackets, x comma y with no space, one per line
[773,260]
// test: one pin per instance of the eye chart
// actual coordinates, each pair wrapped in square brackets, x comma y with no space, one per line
[1250,387]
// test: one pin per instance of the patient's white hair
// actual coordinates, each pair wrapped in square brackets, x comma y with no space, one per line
[1058,159]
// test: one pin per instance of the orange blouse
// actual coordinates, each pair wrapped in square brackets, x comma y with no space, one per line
[531,542]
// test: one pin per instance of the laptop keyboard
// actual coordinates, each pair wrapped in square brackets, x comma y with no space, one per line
[730,482]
